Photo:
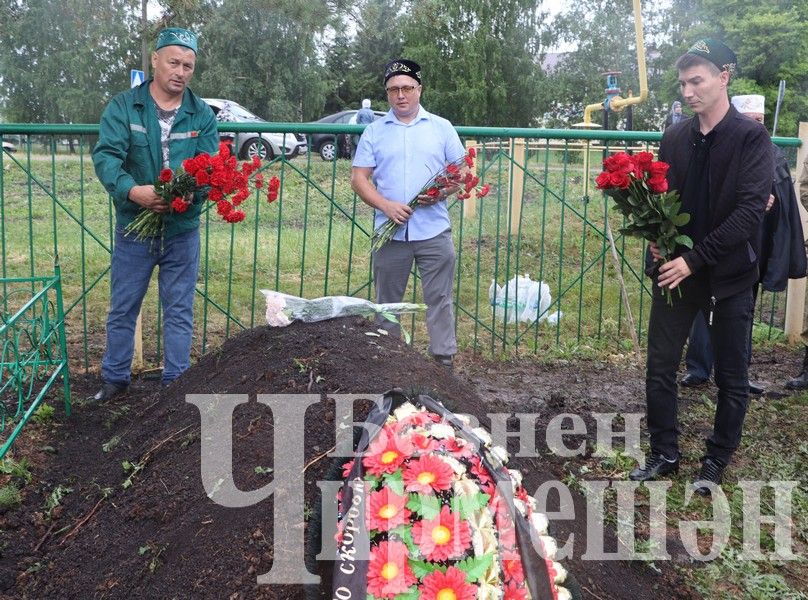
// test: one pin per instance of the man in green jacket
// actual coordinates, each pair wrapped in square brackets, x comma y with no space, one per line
[152,127]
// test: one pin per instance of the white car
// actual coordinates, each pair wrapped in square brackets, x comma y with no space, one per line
[264,145]
[9,147]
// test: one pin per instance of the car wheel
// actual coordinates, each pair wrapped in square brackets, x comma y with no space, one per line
[256,147]
[328,150]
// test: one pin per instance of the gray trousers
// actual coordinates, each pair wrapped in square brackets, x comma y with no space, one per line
[435,261]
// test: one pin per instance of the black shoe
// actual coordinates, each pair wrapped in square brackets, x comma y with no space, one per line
[756,389]
[692,381]
[800,382]
[712,471]
[447,360]
[655,465]
[109,391]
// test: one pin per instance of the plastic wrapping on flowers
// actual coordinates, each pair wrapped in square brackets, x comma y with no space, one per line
[283,309]
[443,517]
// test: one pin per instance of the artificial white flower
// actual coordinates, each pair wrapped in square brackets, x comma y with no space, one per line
[456,465]
[516,477]
[549,546]
[520,506]
[441,431]
[560,573]
[483,434]
[539,522]
[500,454]
[405,410]
[563,593]
[465,487]
[463,419]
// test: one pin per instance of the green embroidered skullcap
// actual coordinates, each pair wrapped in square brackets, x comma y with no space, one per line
[176,36]
[717,53]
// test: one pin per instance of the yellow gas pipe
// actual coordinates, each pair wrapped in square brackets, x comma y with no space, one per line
[617,103]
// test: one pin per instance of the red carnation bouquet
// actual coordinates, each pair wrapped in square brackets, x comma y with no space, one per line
[452,179]
[638,185]
[226,181]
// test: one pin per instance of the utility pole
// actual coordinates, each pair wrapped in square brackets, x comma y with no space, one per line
[144,47]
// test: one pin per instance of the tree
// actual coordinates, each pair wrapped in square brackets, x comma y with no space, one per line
[62,61]
[480,59]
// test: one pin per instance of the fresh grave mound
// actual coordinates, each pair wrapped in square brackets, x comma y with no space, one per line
[155,533]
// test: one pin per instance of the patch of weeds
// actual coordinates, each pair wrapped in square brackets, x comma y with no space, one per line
[110,445]
[188,439]
[115,414]
[154,551]
[615,464]
[263,470]
[44,414]
[10,497]
[749,580]
[55,498]
[133,469]
[308,512]
[19,471]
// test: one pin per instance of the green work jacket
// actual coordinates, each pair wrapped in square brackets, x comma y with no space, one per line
[128,152]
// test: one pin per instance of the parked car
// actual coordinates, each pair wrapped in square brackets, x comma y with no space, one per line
[265,145]
[325,143]
[9,147]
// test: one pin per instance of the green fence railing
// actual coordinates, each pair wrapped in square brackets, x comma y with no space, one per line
[543,217]
[33,349]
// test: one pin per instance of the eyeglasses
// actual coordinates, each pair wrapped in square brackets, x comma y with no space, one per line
[404,89]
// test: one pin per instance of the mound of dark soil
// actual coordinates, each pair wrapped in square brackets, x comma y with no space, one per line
[137,522]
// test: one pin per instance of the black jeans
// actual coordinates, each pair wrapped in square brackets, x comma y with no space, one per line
[668,329]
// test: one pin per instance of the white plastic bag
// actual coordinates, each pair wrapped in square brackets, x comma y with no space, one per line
[521,299]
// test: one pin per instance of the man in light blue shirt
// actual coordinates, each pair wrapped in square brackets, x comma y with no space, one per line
[396,156]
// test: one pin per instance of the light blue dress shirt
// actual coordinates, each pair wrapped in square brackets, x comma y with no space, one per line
[404,157]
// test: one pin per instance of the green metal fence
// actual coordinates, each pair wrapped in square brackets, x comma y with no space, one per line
[33,349]
[543,218]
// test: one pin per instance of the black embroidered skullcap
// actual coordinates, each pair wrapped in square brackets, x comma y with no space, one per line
[402,66]
[717,53]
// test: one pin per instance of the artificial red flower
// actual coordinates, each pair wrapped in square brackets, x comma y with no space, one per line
[178,205]
[346,469]
[389,573]
[515,591]
[427,474]
[512,570]
[166,175]
[446,536]
[387,452]
[386,510]
[447,586]
[423,443]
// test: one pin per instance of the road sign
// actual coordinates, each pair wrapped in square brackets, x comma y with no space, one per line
[137,77]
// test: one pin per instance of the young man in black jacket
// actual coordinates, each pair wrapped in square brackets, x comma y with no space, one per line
[721,164]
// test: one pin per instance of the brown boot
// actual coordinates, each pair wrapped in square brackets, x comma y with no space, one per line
[800,382]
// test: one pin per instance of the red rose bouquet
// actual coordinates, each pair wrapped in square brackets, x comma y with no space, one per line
[226,181]
[452,179]
[638,185]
